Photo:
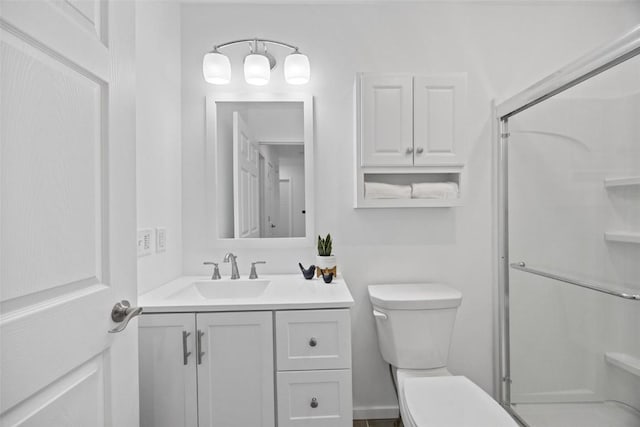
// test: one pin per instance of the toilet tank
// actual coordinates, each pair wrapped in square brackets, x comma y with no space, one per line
[415,323]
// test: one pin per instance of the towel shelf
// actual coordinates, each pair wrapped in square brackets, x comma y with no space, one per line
[583,284]
[622,237]
[622,182]
[403,177]
[625,362]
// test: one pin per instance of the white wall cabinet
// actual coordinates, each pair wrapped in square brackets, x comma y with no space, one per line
[386,120]
[409,129]
[207,369]
[409,120]
[218,370]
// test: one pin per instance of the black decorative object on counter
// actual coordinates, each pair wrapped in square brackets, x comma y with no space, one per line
[307,273]
[327,277]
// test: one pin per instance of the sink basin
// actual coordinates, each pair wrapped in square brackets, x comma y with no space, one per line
[223,289]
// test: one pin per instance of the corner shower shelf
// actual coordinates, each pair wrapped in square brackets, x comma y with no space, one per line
[622,182]
[624,361]
[622,237]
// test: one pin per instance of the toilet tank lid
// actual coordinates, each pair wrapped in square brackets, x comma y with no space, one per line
[414,296]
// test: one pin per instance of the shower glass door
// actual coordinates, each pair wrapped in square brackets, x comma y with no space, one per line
[574,253]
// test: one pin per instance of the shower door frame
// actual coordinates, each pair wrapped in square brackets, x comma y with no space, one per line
[599,60]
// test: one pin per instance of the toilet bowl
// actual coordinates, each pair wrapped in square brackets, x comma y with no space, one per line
[450,401]
[414,324]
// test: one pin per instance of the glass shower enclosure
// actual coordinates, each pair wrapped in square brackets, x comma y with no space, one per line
[569,243]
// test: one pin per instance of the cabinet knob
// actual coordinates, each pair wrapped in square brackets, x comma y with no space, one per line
[314,403]
[313,342]
[409,150]
[419,150]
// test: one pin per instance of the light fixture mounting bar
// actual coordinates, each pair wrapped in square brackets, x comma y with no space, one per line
[279,43]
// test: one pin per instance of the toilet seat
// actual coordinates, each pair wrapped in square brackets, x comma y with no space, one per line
[450,401]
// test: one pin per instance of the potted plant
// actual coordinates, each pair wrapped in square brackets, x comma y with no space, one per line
[325,261]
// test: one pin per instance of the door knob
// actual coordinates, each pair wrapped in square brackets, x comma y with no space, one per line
[419,150]
[122,313]
[409,150]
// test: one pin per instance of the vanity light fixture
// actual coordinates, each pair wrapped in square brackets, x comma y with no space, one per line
[258,64]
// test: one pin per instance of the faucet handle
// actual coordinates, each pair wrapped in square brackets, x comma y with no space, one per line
[216,270]
[254,274]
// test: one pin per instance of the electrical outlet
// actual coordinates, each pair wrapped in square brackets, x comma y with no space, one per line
[144,242]
[161,239]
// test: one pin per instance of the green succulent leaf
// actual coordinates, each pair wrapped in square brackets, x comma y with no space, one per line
[324,245]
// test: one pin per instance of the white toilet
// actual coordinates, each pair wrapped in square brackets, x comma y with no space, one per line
[414,323]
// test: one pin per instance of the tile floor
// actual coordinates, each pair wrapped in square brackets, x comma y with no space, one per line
[377,423]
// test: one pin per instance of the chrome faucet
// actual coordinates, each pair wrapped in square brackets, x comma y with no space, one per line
[234,265]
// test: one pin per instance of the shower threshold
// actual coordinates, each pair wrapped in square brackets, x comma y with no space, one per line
[588,414]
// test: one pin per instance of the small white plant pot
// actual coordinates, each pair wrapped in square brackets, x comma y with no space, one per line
[324,263]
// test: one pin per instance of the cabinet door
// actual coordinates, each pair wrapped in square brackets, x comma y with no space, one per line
[439,105]
[315,399]
[167,378]
[235,371]
[313,339]
[386,132]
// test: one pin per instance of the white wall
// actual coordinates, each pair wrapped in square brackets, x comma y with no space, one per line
[158,135]
[503,46]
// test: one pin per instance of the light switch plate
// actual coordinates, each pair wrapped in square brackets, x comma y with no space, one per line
[144,241]
[161,239]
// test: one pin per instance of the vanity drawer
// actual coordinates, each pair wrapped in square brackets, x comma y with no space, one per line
[315,398]
[313,339]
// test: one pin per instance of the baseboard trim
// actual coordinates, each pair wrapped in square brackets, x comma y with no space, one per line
[375,412]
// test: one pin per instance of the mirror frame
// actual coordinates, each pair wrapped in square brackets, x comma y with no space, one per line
[211,174]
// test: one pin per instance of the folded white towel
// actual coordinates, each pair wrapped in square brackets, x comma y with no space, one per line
[434,190]
[379,190]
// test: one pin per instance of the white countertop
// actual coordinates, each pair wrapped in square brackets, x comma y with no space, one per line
[284,292]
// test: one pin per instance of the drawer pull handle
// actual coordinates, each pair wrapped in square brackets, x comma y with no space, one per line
[313,342]
[314,403]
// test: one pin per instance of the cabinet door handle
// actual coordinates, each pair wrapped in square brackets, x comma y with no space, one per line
[313,342]
[419,150]
[199,347]
[185,353]
[409,150]
[314,403]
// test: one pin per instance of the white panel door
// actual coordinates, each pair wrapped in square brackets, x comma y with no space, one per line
[386,120]
[67,216]
[246,189]
[168,389]
[235,369]
[439,105]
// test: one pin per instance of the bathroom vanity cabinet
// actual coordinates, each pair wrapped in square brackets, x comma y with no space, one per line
[206,369]
[409,129]
[255,367]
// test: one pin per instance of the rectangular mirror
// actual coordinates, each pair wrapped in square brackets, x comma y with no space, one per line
[260,158]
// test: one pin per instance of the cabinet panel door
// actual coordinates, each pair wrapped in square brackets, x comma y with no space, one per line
[313,339]
[167,385]
[315,399]
[439,104]
[386,120]
[235,375]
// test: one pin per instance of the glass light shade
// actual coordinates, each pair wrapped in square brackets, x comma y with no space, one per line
[216,68]
[297,69]
[257,69]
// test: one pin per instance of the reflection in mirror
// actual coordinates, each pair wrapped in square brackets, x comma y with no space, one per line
[260,169]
